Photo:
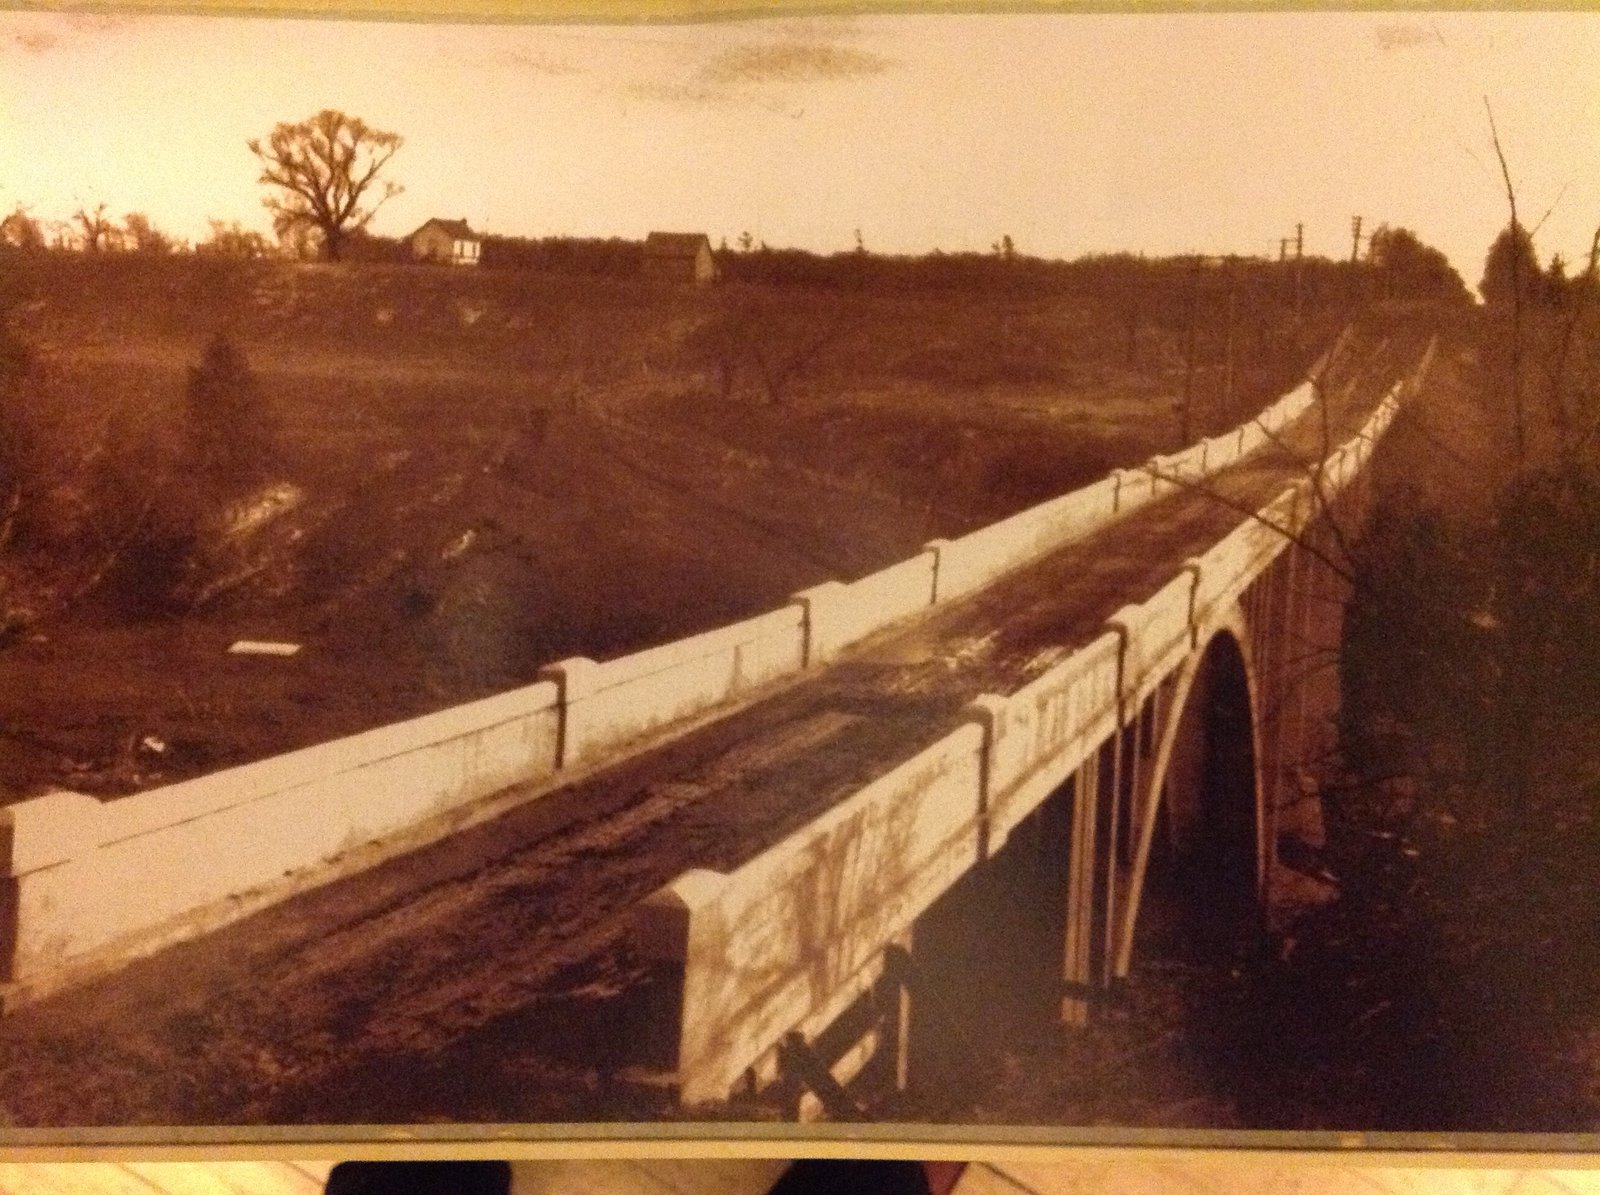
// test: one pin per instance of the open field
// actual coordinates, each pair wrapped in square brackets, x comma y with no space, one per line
[476,473]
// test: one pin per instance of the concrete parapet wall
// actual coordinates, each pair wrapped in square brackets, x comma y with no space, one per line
[83,875]
[1156,635]
[1045,730]
[606,706]
[837,615]
[982,556]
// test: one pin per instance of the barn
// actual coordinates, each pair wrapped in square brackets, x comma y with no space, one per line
[448,241]
[679,257]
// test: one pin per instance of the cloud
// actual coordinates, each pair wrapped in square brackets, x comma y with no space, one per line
[1405,36]
[37,41]
[540,63]
[680,93]
[47,33]
[791,62]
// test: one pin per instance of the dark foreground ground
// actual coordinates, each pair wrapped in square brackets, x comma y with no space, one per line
[1449,990]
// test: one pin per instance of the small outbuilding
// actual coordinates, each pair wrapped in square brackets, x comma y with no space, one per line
[679,257]
[448,241]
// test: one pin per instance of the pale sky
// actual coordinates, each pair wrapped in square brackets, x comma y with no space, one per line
[1159,133]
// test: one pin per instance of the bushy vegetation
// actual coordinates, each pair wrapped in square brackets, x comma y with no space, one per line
[1443,991]
[611,257]
[228,431]
[116,505]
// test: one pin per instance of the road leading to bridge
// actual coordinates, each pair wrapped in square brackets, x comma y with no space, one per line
[484,978]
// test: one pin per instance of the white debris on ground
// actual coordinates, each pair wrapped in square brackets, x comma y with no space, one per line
[459,545]
[262,507]
[262,647]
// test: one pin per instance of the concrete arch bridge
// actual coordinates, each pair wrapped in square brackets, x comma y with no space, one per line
[1173,751]
[793,844]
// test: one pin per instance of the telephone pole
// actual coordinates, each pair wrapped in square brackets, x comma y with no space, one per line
[1188,353]
[1299,270]
[1233,307]
[1355,239]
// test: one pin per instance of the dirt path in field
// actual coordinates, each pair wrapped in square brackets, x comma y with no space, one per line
[320,362]
[483,978]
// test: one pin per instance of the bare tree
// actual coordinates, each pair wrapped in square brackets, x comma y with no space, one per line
[1517,233]
[98,228]
[776,342]
[325,172]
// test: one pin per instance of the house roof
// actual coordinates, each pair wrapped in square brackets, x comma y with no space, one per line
[675,244]
[455,228]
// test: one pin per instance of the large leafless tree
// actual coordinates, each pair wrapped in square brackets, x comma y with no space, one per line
[325,175]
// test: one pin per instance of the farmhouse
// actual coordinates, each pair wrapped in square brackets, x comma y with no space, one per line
[679,257]
[449,241]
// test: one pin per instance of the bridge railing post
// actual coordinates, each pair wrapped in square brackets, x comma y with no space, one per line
[575,680]
[822,606]
[1195,567]
[988,712]
[942,553]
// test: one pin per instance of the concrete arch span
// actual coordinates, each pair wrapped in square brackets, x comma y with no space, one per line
[1201,846]
[1166,821]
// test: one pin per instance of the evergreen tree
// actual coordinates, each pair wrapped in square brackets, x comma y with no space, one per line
[229,433]
[1511,268]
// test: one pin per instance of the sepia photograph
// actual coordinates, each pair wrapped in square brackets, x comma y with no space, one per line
[988,577]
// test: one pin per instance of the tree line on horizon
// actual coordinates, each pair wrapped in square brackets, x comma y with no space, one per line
[326,178]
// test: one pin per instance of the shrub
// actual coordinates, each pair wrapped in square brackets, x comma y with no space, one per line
[20,459]
[228,433]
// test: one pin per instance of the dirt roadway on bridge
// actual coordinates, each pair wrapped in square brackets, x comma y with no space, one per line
[483,979]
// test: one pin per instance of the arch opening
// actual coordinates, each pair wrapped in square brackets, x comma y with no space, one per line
[1200,890]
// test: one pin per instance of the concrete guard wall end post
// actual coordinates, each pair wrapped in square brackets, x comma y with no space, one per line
[53,828]
[663,922]
[678,928]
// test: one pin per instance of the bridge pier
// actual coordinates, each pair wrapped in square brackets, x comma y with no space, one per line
[985,955]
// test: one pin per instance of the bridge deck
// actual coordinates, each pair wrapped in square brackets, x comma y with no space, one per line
[479,978]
